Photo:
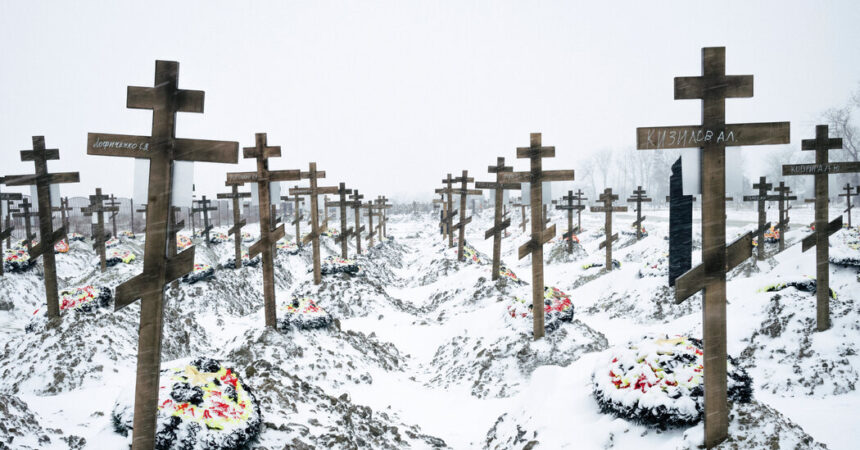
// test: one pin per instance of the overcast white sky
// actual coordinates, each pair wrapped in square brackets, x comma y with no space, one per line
[390,96]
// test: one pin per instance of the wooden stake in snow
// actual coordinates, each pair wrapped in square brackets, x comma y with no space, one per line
[848,194]
[821,169]
[345,232]
[100,236]
[161,148]
[297,215]
[712,137]
[639,197]
[356,212]
[499,222]
[314,191]
[540,235]
[463,191]
[607,197]
[238,222]
[443,222]
[47,235]
[111,202]
[783,198]
[6,232]
[570,208]
[269,235]
[203,206]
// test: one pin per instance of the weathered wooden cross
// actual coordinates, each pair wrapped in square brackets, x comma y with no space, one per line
[535,152]
[238,221]
[449,212]
[783,197]
[26,214]
[313,191]
[141,209]
[203,206]
[261,152]
[6,233]
[64,218]
[499,222]
[370,215]
[524,219]
[345,232]
[570,208]
[48,236]
[100,236]
[848,195]
[113,203]
[356,212]
[165,99]
[763,186]
[712,137]
[639,197]
[463,191]
[821,169]
[607,197]
[443,228]
[382,205]
[297,214]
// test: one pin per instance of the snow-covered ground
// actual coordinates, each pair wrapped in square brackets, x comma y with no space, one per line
[425,353]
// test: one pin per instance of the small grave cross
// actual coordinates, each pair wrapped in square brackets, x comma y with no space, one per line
[313,191]
[763,186]
[382,205]
[449,212]
[100,236]
[297,215]
[370,215]
[443,229]
[821,169]
[607,197]
[783,198]
[26,214]
[356,212]
[63,209]
[345,232]
[6,233]
[204,207]
[639,197]
[238,221]
[499,222]
[535,152]
[524,219]
[848,195]
[464,180]
[570,208]
[111,201]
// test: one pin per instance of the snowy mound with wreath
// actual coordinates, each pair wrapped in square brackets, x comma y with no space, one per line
[217,238]
[557,308]
[247,261]
[78,300]
[655,265]
[17,260]
[127,234]
[62,246]
[471,254]
[845,248]
[117,256]
[659,381]
[201,272]
[632,232]
[76,237]
[201,405]
[562,251]
[592,265]
[335,264]
[330,232]
[112,242]
[804,284]
[246,237]
[182,242]
[508,275]
[303,314]
[288,247]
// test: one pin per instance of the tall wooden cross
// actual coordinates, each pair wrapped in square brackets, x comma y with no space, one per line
[848,196]
[261,152]
[763,186]
[821,169]
[98,208]
[314,191]
[48,236]
[449,214]
[382,205]
[356,212]
[638,198]
[165,99]
[570,208]
[463,191]
[712,137]
[345,232]
[535,152]
[6,232]
[238,221]
[63,209]
[203,206]
[499,222]
[297,215]
[783,197]
[607,197]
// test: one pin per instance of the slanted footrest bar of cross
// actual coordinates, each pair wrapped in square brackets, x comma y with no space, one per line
[693,280]
[39,248]
[274,236]
[492,231]
[603,243]
[533,244]
[235,228]
[832,227]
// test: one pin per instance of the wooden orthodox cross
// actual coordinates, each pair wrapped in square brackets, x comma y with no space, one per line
[111,202]
[6,232]
[261,152]
[297,215]
[848,196]
[48,236]
[499,222]
[639,197]
[238,222]
[204,207]
[607,197]
[313,191]
[161,148]
[26,214]
[100,236]
[448,215]
[443,229]
[63,209]
[712,137]
[382,205]
[464,180]
[763,186]
[522,207]
[540,235]
[783,197]
[356,212]
[345,232]
[821,169]
[570,208]
[370,215]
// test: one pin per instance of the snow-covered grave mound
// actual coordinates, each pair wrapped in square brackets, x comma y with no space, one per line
[127,234]
[74,302]
[75,237]
[557,308]
[334,265]
[247,261]
[201,405]
[559,250]
[845,247]
[116,256]
[659,381]
[201,272]
[287,247]
[303,314]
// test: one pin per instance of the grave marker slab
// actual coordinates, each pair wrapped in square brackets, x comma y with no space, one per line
[680,225]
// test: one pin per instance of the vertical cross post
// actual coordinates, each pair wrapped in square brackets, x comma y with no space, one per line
[64,218]
[356,212]
[345,232]
[763,186]
[449,211]
[204,207]
[463,191]
[382,205]
[314,191]
[6,232]
[499,222]
[638,198]
[238,221]
[297,215]
[783,198]
[848,194]
[607,197]
[26,214]
[111,202]
[523,217]
[100,236]
[570,208]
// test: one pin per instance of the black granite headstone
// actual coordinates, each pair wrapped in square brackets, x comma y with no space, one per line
[680,226]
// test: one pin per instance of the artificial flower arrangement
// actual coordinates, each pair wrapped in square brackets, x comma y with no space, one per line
[201,272]
[117,256]
[806,284]
[615,264]
[558,308]
[246,237]
[127,234]
[17,260]
[288,247]
[247,261]
[62,246]
[77,300]
[75,237]
[302,313]
[335,264]
[112,242]
[182,242]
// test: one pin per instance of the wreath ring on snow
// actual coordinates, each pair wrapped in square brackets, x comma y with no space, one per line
[201,272]
[79,300]
[303,314]
[557,308]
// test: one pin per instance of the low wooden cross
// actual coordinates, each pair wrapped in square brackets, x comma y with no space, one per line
[238,221]
[449,214]
[161,148]
[111,201]
[345,232]
[463,191]
[638,198]
[763,186]
[522,207]
[64,218]
[535,152]
[570,208]
[848,195]
[356,212]
[313,191]
[500,223]
[821,169]
[712,137]
[6,232]
[297,214]
[203,206]
[269,235]
[26,214]
[48,236]
[607,197]
[100,236]
[783,197]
